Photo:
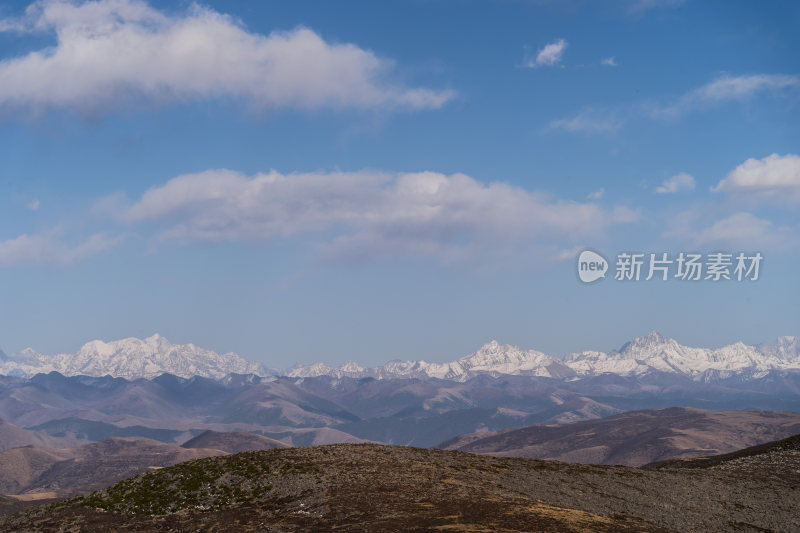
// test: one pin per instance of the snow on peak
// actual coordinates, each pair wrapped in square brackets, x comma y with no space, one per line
[651,341]
[146,358]
[133,358]
[492,358]
[507,359]
[656,353]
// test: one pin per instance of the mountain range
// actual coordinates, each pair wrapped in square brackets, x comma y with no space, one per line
[130,393]
[131,358]
[148,358]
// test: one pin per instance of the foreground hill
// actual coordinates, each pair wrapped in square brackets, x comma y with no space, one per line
[233,442]
[370,487]
[636,438]
[751,458]
[67,471]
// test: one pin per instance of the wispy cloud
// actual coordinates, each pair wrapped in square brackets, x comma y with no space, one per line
[774,177]
[726,89]
[33,205]
[47,249]
[717,92]
[110,52]
[742,230]
[368,214]
[597,195]
[677,183]
[748,230]
[550,55]
[589,121]
[609,62]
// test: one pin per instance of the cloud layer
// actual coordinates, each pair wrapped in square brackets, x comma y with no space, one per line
[589,121]
[46,249]
[112,51]
[370,214]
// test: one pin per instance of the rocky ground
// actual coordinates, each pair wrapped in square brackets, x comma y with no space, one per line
[369,487]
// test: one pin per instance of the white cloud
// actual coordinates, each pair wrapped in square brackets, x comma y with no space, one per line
[597,195]
[549,55]
[736,231]
[370,214]
[746,229]
[47,250]
[775,177]
[725,89]
[589,121]
[678,182]
[569,254]
[33,205]
[719,91]
[112,51]
[609,62]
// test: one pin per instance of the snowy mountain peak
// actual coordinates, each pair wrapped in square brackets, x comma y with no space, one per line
[492,346]
[652,340]
[136,358]
[157,340]
[494,353]
[133,358]
[656,353]
[492,358]
[352,366]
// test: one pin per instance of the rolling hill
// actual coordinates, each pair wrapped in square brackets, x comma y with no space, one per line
[388,488]
[636,438]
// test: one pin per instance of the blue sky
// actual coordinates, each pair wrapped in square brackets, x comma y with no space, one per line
[302,181]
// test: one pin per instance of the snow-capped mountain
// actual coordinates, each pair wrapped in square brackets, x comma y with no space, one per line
[785,349]
[132,358]
[493,358]
[643,355]
[655,353]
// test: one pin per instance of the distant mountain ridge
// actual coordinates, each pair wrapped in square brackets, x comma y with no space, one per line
[12,436]
[653,353]
[132,358]
[492,358]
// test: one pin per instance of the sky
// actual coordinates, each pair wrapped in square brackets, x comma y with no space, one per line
[329,181]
